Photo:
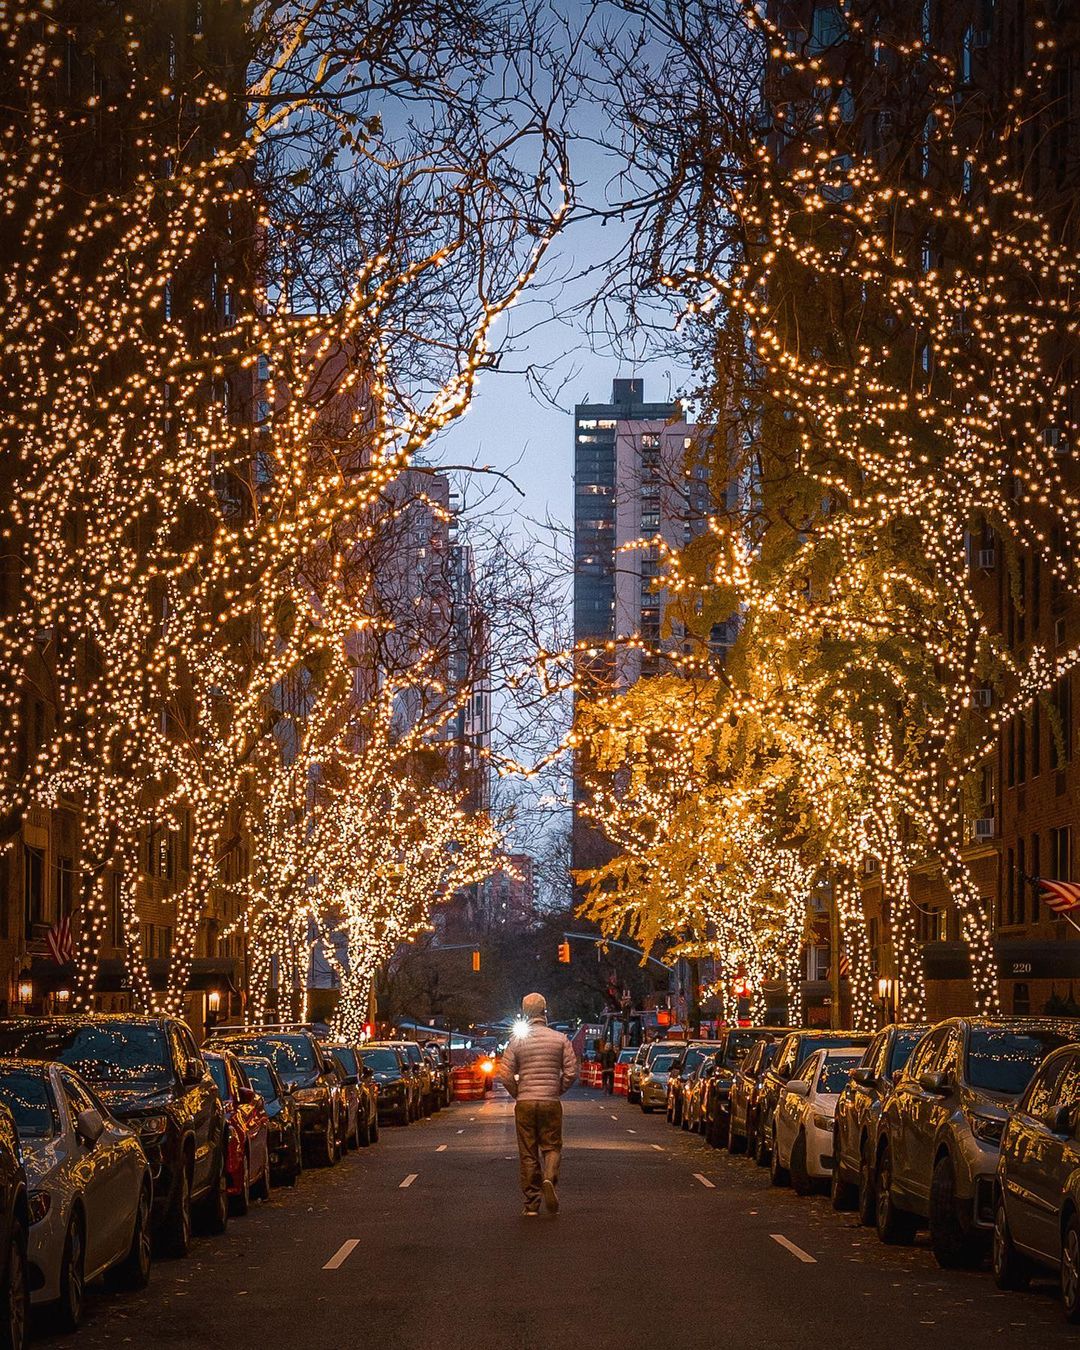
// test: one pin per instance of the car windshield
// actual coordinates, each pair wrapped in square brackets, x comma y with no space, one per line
[905,1042]
[626,1056]
[29,1099]
[835,1073]
[346,1059]
[261,1079]
[809,1044]
[216,1065]
[662,1063]
[382,1061]
[119,1054]
[693,1059]
[1000,1060]
[292,1056]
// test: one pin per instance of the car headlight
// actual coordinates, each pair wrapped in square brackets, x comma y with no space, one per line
[310,1096]
[153,1125]
[38,1203]
[986,1128]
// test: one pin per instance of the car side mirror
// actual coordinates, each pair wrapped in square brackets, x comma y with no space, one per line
[934,1082]
[1060,1119]
[864,1077]
[799,1087]
[193,1072]
[246,1096]
[89,1126]
[351,1080]
[365,1072]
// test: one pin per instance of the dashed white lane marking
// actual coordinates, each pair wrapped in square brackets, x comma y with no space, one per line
[441,1148]
[342,1254]
[797,1252]
[657,1147]
[629,1131]
[408,1180]
[461,1131]
[614,1117]
[704,1181]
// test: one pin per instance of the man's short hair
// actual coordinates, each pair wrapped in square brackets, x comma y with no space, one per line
[534,1005]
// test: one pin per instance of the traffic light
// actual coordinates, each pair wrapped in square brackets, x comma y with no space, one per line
[564,953]
[476,962]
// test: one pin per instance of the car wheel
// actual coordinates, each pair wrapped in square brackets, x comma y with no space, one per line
[134,1271]
[647,1110]
[262,1190]
[842,1194]
[1010,1269]
[895,1226]
[952,1246]
[14,1330]
[778,1174]
[761,1151]
[176,1227]
[216,1205]
[241,1203]
[801,1181]
[362,1133]
[326,1147]
[736,1142]
[72,1276]
[374,1132]
[1070,1270]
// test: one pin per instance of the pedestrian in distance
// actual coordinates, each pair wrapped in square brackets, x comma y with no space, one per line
[538,1066]
[607,1067]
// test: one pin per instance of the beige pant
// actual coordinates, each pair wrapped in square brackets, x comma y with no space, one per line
[539,1139]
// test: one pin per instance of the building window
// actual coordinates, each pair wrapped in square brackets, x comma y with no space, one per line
[1021,749]
[1021,882]
[1036,874]
[1036,740]
[1061,853]
[1021,999]
[65,888]
[1010,887]
[33,886]
[1061,742]
[116,911]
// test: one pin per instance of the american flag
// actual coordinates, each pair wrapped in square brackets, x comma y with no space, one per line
[1060,896]
[844,968]
[61,947]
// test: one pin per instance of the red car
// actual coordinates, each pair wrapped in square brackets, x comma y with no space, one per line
[248,1128]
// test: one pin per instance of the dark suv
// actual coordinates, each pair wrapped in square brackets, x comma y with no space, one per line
[794,1048]
[691,1055]
[308,1072]
[150,1074]
[735,1045]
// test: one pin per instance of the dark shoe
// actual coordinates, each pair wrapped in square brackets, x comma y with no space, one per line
[551,1199]
[529,1213]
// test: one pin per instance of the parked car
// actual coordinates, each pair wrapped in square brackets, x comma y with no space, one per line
[654,1084]
[937,1149]
[88,1186]
[714,1108]
[802,1151]
[248,1125]
[642,1065]
[361,1117]
[858,1110]
[626,1058]
[421,1075]
[694,1089]
[149,1073]
[745,1092]
[794,1048]
[286,1148]
[306,1070]
[394,1080]
[14,1231]
[689,1057]
[438,1058]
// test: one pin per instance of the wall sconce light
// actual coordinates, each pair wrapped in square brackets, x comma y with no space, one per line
[26,991]
[213,1001]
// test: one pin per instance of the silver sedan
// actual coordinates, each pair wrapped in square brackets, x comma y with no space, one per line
[88,1181]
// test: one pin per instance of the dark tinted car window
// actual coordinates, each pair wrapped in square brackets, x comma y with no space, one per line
[693,1059]
[292,1056]
[346,1059]
[904,1043]
[381,1061]
[118,1053]
[836,1074]
[261,1080]
[216,1065]
[662,1063]
[1000,1060]
[29,1099]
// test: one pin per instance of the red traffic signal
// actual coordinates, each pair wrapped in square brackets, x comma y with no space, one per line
[564,953]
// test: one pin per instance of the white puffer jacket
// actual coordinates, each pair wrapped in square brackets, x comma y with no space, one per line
[539,1066]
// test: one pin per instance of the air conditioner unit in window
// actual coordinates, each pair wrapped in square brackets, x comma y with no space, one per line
[985,827]
[870,866]
[985,559]
[984,698]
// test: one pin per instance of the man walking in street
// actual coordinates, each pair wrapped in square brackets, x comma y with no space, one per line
[538,1066]
[607,1067]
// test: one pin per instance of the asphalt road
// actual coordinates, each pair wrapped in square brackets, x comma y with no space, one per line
[660,1242]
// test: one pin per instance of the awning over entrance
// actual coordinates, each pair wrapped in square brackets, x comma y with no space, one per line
[207,972]
[1016,959]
